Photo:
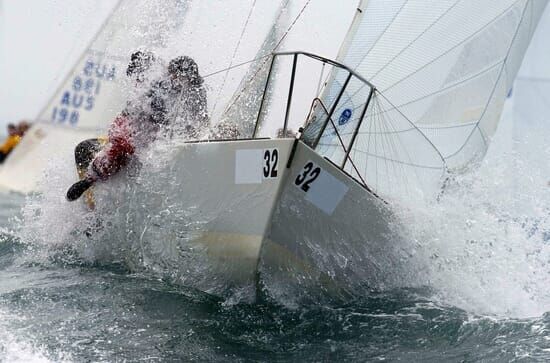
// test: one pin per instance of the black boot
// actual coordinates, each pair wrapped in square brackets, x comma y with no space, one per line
[78,188]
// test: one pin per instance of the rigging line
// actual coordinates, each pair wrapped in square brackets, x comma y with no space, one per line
[234,55]
[252,60]
[378,146]
[273,50]
[412,124]
[236,66]
[464,125]
[376,156]
[495,85]
[453,47]
[383,133]
[370,120]
[388,125]
[291,25]
[533,79]
[531,27]
[382,142]
[404,148]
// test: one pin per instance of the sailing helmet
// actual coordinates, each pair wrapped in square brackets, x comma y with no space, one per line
[140,61]
[185,66]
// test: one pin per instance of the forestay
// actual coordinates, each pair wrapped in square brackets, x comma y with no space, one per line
[232,42]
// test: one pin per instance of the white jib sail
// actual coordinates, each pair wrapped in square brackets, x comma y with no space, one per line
[446,66]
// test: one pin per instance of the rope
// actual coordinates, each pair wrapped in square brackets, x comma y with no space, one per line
[234,55]
[269,55]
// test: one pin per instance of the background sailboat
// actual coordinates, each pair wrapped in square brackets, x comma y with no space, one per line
[93,92]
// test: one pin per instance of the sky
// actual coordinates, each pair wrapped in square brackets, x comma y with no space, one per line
[40,40]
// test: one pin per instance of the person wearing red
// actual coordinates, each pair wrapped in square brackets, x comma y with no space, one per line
[180,97]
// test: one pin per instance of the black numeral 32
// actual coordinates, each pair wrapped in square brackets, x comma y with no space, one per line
[310,172]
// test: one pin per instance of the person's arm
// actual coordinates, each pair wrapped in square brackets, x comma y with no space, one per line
[115,154]
[9,144]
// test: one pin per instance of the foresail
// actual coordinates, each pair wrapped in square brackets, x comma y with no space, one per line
[441,69]
[96,89]
[447,65]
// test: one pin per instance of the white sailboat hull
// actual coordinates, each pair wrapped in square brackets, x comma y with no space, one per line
[333,238]
[228,225]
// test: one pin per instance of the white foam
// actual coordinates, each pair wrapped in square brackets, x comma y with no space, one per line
[483,247]
[15,348]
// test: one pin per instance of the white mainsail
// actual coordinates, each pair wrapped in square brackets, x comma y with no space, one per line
[96,89]
[447,66]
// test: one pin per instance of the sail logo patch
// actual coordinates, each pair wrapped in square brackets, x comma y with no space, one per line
[345,116]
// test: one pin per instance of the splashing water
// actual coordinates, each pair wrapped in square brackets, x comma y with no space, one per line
[140,222]
[14,348]
[484,246]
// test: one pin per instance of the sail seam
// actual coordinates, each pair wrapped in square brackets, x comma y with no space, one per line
[414,40]
[453,85]
[506,11]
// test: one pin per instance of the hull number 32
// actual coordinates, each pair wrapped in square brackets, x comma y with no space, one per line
[310,172]
[253,166]
[271,160]
[321,188]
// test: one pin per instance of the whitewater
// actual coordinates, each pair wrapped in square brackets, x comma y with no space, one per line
[469,279]
[473,280]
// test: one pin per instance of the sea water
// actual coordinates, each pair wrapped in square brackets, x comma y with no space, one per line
[476,290]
